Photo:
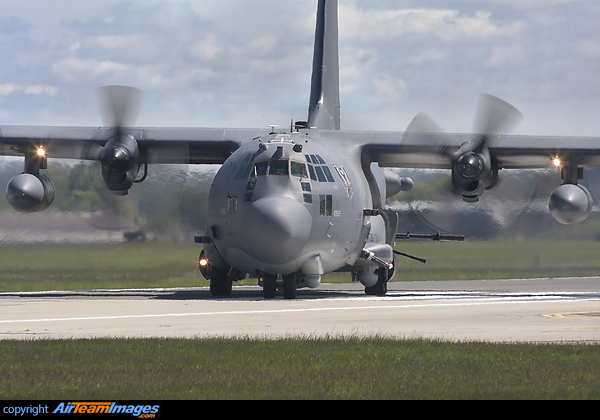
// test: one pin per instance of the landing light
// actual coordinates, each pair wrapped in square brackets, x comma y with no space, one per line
[556,162]
[41,152]
[203,262]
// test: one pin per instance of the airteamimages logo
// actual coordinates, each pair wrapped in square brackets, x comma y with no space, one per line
[146,411]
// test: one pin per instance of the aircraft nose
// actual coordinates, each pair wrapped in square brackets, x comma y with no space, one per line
[277,229]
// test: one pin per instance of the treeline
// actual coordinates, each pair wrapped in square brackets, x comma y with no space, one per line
[171,201]
[436,185]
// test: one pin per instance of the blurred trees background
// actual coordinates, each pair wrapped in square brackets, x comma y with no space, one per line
[172,201]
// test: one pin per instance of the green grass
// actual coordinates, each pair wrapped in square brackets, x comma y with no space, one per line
[296,368]
[303,368]
[162,264]
[500,259]
[76,267]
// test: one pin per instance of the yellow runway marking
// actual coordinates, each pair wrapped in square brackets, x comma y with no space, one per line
[575,315]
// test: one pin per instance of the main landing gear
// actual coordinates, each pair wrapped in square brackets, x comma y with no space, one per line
[220,282]
[380,288]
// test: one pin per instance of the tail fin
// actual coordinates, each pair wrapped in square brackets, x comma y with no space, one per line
[324,106]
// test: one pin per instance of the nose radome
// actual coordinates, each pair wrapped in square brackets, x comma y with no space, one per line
[277,229]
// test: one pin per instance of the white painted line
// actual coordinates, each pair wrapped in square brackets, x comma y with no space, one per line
[480,302]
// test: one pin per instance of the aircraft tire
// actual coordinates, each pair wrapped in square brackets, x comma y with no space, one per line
[220,283]
[289,286]
[270,286]
[380,288]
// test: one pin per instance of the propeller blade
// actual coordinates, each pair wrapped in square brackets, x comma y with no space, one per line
[423,129]
[423,123]
[495,116]
[119,105]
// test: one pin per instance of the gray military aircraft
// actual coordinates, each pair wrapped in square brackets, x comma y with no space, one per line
[289,207]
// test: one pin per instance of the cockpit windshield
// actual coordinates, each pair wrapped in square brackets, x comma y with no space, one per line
[316,169]
[279,167]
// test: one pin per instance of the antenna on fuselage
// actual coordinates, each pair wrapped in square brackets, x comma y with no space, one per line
[301,125]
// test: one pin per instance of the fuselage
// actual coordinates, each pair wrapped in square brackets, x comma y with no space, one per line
[289,203]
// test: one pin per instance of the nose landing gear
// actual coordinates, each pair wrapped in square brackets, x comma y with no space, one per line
[288,281]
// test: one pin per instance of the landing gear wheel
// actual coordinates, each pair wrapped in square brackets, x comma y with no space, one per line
[270,286]
[380,288]
[220,283]
[289,286]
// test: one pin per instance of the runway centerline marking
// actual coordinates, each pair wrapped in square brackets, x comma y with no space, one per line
[275,311]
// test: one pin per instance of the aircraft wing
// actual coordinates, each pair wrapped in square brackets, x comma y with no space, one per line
[157,145]
[439,150]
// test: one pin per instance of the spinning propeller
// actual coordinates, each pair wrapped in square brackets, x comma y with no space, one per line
[123,161]
[475,170]
[120,157]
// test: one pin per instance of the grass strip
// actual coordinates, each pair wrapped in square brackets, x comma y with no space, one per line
[161,264]
[295,368]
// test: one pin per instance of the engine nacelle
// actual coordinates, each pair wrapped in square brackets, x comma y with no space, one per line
[570,204]
[29,193]
[473,171]
[120,163]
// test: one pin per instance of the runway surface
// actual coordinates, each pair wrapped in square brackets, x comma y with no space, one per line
[533,310]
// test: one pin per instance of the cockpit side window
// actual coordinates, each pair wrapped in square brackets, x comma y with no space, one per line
[320,174]
[243,168]
[241,171]
[299,169]
[316,159]
[260,168]
[320,171]
[328,174]
[313,175]
[325,205]
[246,158]
[247,171]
